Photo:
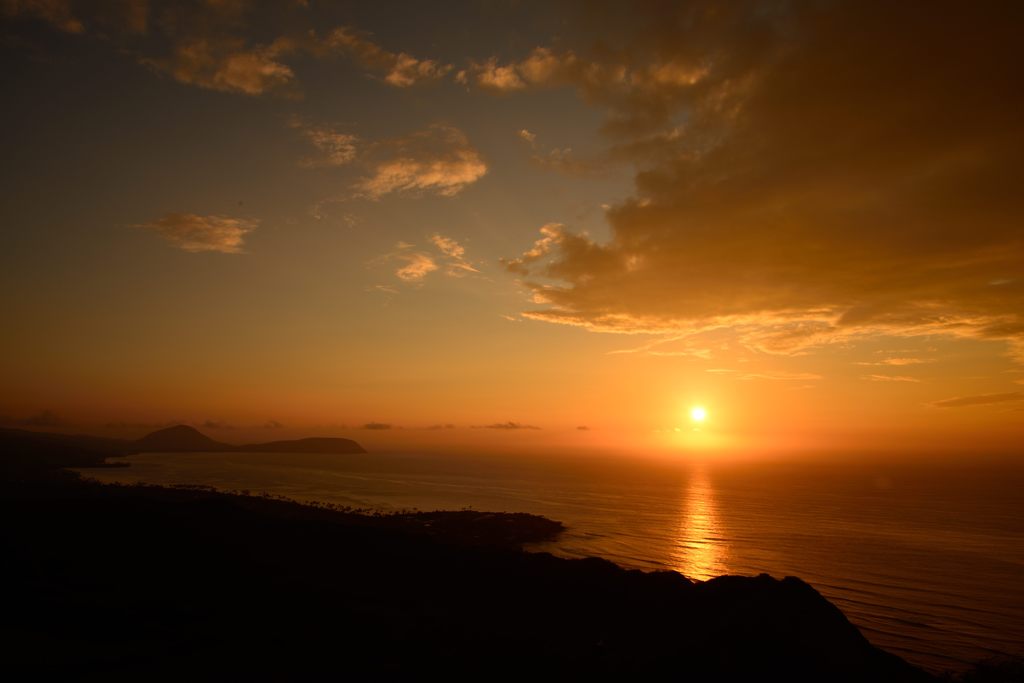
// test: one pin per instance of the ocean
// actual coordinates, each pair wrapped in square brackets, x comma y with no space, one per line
[925,557]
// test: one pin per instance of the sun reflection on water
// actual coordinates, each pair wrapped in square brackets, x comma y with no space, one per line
[699,551]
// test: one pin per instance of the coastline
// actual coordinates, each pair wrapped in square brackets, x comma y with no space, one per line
[927,574]
[132,580]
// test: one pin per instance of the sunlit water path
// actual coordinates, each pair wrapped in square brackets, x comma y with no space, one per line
[927,560]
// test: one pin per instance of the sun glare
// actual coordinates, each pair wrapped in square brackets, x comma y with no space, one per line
[698,414]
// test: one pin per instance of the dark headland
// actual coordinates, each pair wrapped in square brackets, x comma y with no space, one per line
[82,451]
[182,438]
[143,582]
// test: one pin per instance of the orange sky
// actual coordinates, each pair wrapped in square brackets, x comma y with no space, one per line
[488,227]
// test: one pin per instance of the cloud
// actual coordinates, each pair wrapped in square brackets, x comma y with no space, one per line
[400,69]
[416,266]
[448,246]
[446,425]
[979,400]
[438,160]
[195,43]
[55,12]
[272,424]
[194,233]
[552,235]
[507,425]
[336,148]
[559,159]
[543,67]
[683,353]
[209,44]
[897,361]
[803,190]
[583,428]
[562,160]
[407,70]
[770,375]
[890,378]
[228,66]
[455,264]
[689,346]
[499,78]
[376,426]
[780,376]
[642,88]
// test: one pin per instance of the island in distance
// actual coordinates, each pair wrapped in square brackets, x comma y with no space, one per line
[185,439]
[79,450]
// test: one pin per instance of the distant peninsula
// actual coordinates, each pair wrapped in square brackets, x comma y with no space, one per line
[185,439]
[80,450]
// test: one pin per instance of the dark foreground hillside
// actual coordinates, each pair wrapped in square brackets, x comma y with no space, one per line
[142,583]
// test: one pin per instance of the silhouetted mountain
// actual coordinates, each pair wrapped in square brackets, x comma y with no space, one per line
[311,445]
[22,449]
[185,439]
[180,438]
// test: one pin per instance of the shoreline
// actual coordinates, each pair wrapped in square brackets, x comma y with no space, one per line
[460,537]
[637,537]
[194,580]
[924,611]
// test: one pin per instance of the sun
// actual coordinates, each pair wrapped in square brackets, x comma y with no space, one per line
[698,414]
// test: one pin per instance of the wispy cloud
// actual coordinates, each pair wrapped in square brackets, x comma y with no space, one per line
[979,400]
[448,246]
[56,12]
[228,65]
[201,44]
[507,426]
[552,235]
[779,376]
[336,148]
[897,361]
[195,233]
[454,253]
[492,76]
[679,346]
[416,265]
[768,375]
[641,92]
[376,426]
[210,44]
[890,378]
[400,69]
[543,67]
[560,159]
[439,160]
